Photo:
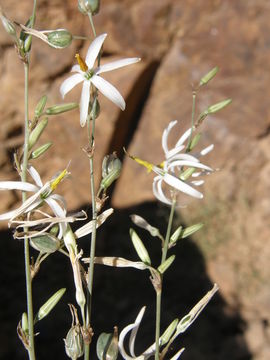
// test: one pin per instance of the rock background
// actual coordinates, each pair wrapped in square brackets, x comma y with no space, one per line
[178,42]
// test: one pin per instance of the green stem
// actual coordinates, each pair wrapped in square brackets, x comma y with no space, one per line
[159,291]
[92,24]
[31,349]
[194,93]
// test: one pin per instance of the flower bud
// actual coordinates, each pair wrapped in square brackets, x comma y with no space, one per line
[111,169]
[209,76]
[8,25]
[89,6]
[40,106]
[166,264]
[41,150]
[61,108]
[139,247]
[36,133]
[49,304]
[59,39]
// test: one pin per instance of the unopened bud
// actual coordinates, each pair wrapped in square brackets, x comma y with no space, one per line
[166,264]
[218,106]
[61,108]
[40,106]
[89,6]
[209,76]
[111,169]
[24,322]
[8,25]
[59,39]
[41,150]
[49,304]
[36,133]
[139,247]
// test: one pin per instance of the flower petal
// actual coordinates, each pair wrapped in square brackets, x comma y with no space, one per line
[158,192]
[69,84]
[165,136]
[35,176]
[194,164]
[109,91]
[84,104]
[94,50]
[116,65]
[17,185]
[207,150]
[184,137]
[181,186]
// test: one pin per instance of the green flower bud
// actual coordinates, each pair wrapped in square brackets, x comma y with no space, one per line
[218,106]
[27,43]
[139,247]
[61,108]
[40,106]
[36,133]
[49,305]
[175,236]
[111,169]
[165,337]
[166,264]
[8,25]
[190,230]
[24,322]
[209,76]
[59,39]
[95,109]
[89,6]
[41,150]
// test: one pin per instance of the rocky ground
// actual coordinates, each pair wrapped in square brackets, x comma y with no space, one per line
[178,43]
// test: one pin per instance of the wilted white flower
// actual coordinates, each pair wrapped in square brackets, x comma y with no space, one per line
[42,193]
[89,75]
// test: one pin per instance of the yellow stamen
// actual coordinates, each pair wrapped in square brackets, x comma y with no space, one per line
[59,178]
[81,62]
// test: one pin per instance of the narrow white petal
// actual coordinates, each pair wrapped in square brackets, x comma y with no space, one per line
[194,164]
[171,153]
[183,157]
[8,215]
[207,150]
[84,104]
[93,50]
[69,84]
[158,192]
[59,212]
[76,68]
[165,136]
[35,176]
[197,182]
[135,330]
[181,186]
[109,91]
[122,336]
[87,228]
[60,199]
[183,138]
[17,185]
[178,354]
[116,65]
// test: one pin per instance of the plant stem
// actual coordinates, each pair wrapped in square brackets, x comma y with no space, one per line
[31,349]
[159,291]
[92,23]
[194,93]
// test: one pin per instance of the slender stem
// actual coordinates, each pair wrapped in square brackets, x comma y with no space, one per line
[194,93]
[92,24]
[31,349]
[159,291]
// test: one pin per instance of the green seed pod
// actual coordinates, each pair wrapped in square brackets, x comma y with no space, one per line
[139,247]
[36,133]
[49,304]
[111,169]
[166,264]
[209,76]
[74,342]
[40,106]
[89,6]
[41,150]
[61,108]
[59,39]
[45,243]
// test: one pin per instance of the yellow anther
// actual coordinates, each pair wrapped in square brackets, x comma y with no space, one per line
[81,62]
[59,178]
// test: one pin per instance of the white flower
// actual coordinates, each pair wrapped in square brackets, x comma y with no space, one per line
[175,162]
[88,74]
[42,193]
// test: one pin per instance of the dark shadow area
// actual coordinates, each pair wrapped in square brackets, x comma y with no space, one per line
[119,294]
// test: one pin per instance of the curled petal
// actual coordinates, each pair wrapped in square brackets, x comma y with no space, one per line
[94,50]
[70,83]
[184,137]
[181,186]
[109,91]
[35,176]
[158,192]
[165,136]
